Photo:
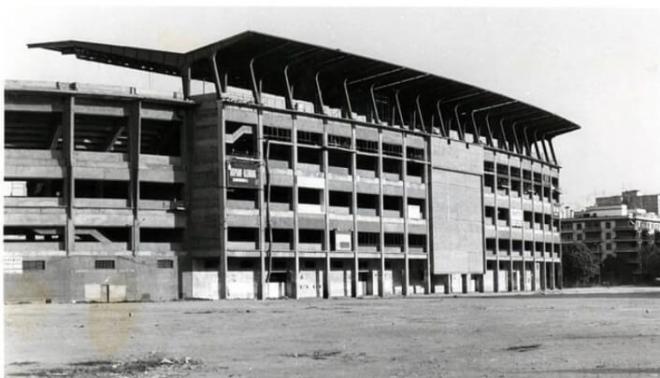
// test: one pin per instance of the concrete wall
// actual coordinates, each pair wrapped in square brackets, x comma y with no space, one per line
[74,278]
[457,207]
[457,223]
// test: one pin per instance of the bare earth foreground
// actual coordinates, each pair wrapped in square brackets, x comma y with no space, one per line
[606,332]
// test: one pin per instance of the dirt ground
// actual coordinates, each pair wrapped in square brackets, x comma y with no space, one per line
[575,333]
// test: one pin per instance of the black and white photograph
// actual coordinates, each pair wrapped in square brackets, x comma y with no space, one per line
[461,189]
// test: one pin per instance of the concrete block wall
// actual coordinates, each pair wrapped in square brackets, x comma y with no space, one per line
[75,278]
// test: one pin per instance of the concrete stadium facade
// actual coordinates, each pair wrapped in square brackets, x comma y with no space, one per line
[368,179]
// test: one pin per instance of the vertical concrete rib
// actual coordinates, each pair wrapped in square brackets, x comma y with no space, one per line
[68,154]
[262,208]
[381,239]
[356,262]
[427,210]
[222,200]
[406,258]
[294,200]
[496,273]
[326,203]
[508,177]
[135,135]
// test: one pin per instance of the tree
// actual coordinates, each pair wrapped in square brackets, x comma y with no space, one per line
[617,270]
[579,265]
[650,256]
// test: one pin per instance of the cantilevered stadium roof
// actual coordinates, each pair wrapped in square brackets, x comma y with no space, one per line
[280,66]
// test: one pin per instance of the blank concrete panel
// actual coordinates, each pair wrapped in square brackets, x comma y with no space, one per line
[241,284]
[457,223]
[458,156]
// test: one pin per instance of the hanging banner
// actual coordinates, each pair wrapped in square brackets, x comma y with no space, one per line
[242,173]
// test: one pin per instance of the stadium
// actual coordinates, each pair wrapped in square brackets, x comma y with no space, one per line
[306,172]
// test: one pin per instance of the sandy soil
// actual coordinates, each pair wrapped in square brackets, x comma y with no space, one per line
[578,333]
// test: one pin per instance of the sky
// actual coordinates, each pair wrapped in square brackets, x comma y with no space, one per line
[599,68]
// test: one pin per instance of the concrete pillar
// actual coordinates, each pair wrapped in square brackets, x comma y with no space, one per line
[294,200]
[381,275]
[222,200]
[428,175]
[552,275]
[134,137]
[326,205]
[356,263]
[69,184]
[406,258]
[560,276]
[262,210]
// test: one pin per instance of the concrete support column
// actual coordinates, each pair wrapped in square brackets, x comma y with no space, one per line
[560,276]
[262,209]
[406,247]
[552,274]
[326,205]
[294,200]
[381,243]
[544,276]
[68,154]
[134,137]
[222,200]
[533,262]
[496,272]
[356,262]
[428,175]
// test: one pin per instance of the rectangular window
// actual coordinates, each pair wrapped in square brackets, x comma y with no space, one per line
[415,153]
[367,145]
[339,141]
[308,137]
[368,238]
[277,133]
[34,265]
[165,264]
[104,264]
[392,149]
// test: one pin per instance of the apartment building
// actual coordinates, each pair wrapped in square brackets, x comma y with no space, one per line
[612,231]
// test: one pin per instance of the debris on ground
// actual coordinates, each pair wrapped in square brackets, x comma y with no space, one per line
[523,348]
[165,366]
